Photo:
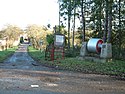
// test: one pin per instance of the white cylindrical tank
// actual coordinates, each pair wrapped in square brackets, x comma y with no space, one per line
[94,45]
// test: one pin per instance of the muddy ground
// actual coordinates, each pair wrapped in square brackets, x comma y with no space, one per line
[20,74]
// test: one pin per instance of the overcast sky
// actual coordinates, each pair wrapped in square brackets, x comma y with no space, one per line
[24,12]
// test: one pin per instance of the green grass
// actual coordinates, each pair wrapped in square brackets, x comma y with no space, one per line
[6,53]
[36,54]
[112,68]
[116,68]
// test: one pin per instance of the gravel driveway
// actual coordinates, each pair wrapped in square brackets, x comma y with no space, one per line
[20,74]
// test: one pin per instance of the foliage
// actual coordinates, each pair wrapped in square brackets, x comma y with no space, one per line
[12,32]
[72,52]
[61,31]
[50,39]
[21,40]
[37,34]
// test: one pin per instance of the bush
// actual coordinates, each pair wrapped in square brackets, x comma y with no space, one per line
[50,39]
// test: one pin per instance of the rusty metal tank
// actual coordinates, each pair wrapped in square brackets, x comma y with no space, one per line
[94,45]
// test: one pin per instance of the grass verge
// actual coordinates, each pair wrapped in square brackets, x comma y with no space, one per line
[115,68]
[6,53]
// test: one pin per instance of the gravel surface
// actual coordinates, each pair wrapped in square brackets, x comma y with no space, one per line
[20,74]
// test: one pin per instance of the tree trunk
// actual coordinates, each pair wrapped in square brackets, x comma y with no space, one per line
[83,22]
[100,23]
[69,18]
[73,29]
[110,23]
[68,32]
[119,37]
[59,16]
[106,23]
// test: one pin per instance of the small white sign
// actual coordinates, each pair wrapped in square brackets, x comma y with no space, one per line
[59,40]
[35,86]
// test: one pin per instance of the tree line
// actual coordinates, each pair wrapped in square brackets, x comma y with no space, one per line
[35,33]
[104,18]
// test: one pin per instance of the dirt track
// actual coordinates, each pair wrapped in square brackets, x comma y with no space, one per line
[20,74]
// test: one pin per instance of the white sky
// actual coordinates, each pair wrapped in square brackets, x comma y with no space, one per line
[24,12]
